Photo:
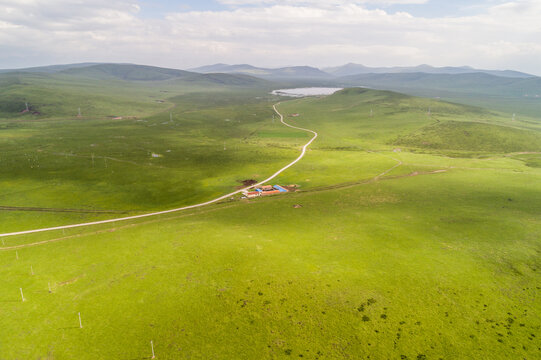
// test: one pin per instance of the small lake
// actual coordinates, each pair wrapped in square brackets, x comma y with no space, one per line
[312,91]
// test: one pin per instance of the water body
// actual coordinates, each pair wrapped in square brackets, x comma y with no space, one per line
[312,91]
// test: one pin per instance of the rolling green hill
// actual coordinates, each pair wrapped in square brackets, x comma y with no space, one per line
[127,72]
[151,73]
[108,90]
[48,69]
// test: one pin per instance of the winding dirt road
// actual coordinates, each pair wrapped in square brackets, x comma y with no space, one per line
[184,207]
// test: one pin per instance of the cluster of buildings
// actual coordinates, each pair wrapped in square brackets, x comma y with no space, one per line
[265,190]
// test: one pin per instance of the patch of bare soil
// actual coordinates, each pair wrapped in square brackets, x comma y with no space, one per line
[246,183]
[249,182]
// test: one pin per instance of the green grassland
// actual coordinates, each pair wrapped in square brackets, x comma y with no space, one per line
[413,239]
[97,163]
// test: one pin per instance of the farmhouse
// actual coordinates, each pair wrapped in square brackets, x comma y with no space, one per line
[270,192]
[265,190]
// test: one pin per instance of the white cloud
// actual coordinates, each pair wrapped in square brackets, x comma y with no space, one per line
[284,32]
[66,14]
[324,3]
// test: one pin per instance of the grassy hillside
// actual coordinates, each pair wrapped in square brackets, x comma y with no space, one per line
[127,72]
[109,91]
[48,68]
[170,159]
[471,136]
[476,83]
[60,96]
[388,251]
[514,95]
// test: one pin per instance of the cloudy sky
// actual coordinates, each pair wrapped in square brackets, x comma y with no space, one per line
[493,34]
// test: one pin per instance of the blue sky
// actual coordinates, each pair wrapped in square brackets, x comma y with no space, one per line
[431,9]
[491,34]
[159,8]
[443,8]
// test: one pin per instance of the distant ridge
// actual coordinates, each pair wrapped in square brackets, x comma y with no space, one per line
[283,73]
[292,72]
[127,72]
[131,72]
[357,69]
[444,84]
[50,68]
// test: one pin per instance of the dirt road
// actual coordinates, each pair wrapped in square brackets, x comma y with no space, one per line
[184,207]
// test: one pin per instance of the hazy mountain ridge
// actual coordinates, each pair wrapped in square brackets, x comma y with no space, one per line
[129,71]
[472,87]
[349,70]
[49,68]
[466,83]
[357,69]
[299,72]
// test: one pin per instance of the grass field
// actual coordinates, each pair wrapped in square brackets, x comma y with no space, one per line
[413,239]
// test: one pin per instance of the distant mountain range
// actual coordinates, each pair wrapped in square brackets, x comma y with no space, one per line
[298,72]
[356,69]
[152,73]
[463,84]
[441,84]
[422,80]
[130,72]
[49,69]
